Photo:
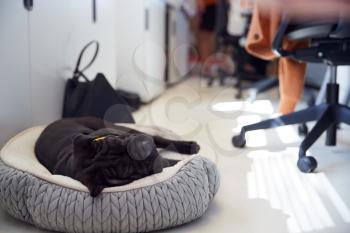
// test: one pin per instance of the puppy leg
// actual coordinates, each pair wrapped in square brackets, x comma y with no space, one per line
[183,147]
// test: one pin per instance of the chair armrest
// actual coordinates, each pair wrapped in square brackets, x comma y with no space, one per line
[277,41]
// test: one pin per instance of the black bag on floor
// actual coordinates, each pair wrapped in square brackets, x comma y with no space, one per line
[132,100]
[95,98]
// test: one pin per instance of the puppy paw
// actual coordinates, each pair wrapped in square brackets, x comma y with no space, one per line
[194,148]
[189,148]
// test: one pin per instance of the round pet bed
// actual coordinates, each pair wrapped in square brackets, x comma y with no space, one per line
[29,192]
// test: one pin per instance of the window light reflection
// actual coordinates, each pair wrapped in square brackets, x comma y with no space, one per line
[306,198]
[258,106]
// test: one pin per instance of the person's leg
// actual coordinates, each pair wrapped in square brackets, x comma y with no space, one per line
[206,48]
[206,35]
[291,79]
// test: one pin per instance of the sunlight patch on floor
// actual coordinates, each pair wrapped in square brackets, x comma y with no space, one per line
[287,134]
[275,177]
[258,106]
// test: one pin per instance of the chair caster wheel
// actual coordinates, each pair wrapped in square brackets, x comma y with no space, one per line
[303,130]
[307,164]
[238,141]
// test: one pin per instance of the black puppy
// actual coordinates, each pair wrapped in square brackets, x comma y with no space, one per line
[100,154]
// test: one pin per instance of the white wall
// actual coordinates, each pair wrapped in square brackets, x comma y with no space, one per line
[15,91]
[343,77]
[38,52]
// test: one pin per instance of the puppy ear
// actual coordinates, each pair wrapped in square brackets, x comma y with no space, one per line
[82,145]
[81,139]
[95,189]
[92,184]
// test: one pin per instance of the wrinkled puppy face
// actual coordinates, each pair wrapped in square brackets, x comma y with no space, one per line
[114,160]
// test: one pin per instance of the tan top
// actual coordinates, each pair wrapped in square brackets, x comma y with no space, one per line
[262,31]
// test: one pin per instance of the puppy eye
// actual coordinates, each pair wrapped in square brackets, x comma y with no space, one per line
[100,138]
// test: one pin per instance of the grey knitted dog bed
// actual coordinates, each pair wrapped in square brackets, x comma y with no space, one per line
[29,192]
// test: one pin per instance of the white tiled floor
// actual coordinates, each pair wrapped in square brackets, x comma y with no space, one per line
[261,188]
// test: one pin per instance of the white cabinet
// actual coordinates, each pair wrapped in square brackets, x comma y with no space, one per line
[140,47]
[105,33]
[178,45]
[15,89]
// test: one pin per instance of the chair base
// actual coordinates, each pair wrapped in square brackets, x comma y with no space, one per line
[327,116]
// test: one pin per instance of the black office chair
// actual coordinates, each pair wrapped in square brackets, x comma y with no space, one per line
[330,44]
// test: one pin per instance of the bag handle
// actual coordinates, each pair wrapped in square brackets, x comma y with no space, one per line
[79,72]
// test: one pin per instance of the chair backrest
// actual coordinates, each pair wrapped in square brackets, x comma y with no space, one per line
[311,30]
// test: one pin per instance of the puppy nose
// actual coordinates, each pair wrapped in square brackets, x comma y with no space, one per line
[140,146]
